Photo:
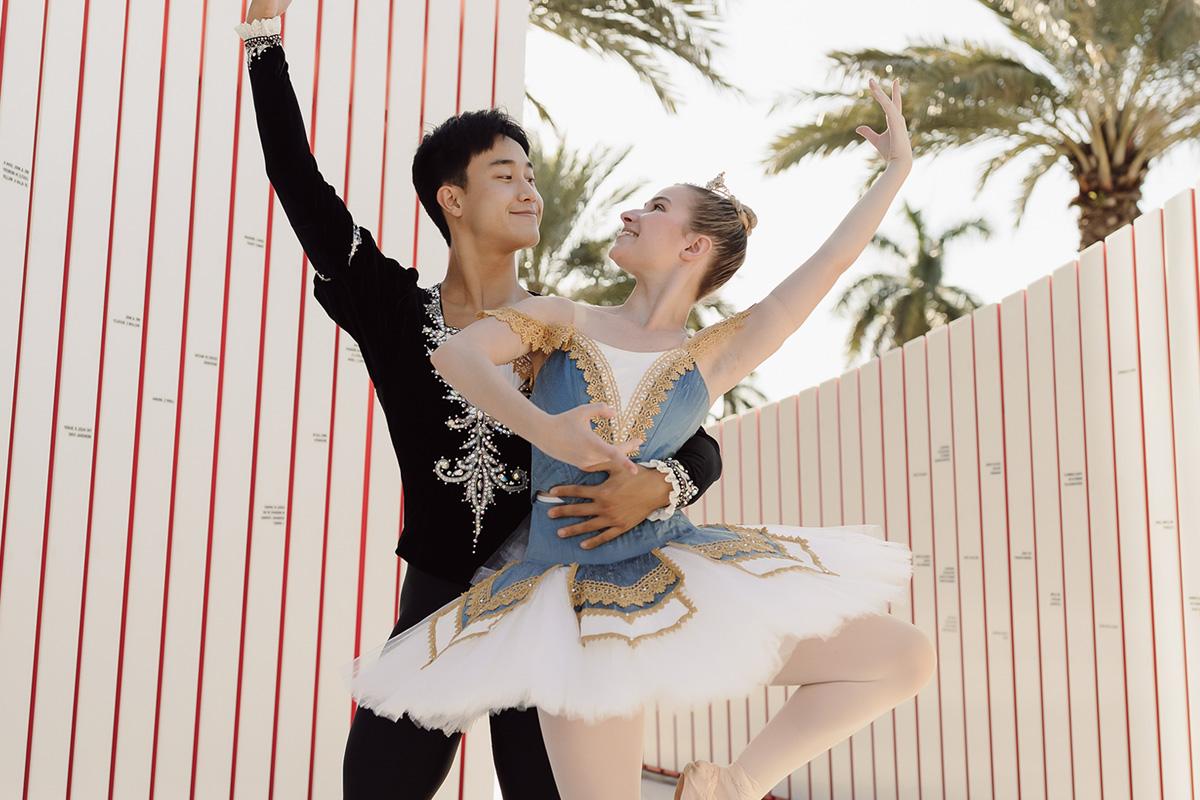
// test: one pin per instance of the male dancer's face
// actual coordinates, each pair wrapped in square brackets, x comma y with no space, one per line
[500,207]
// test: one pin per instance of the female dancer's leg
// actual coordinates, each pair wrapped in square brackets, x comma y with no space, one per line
[601,761]
[871,665]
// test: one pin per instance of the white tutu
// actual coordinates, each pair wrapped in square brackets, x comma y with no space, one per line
[727,627]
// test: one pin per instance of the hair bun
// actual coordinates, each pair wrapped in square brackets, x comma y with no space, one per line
[745,214]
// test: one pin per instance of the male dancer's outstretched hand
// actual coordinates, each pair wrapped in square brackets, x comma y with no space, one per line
[265,9]
[613,507]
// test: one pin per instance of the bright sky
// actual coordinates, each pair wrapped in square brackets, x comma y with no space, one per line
[776,45]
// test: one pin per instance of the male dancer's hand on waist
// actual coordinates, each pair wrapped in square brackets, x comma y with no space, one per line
[621,502]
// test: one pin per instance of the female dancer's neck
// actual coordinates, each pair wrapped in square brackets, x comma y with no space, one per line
[660,306]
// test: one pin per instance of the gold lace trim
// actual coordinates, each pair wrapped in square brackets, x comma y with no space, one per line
[476,602]
[634,421]
[480,601]
[647,588]
[752,544]
[537,335]
[634,641]
[675,593]
[716,333]
[598,378]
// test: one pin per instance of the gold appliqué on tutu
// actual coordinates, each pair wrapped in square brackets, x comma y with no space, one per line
[644,594]
[756,543]
[477,602]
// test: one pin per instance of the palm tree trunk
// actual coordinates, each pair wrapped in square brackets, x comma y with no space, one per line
[1102,211]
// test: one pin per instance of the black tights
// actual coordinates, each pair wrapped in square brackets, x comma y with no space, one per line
[401,761]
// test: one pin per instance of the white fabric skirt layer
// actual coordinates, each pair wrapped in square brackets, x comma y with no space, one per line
[733,627]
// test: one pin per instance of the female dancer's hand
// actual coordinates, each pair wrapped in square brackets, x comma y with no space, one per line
[569,437]
[265,9]
[893,144]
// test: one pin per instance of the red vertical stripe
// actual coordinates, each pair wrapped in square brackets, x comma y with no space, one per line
[1178,534]
[4,38]
[862,515]
[179,397]
[99,402]
[329,452]
[1037,589]
[1174,469]
[827,755]
[421,129]
[1137,330]
[216,451]
[62,328]
[962,660]
[291,493]
[16,380]
[366,473]
[912,604]
[462,24]
[383,172]
[1012,647]
[249,551]
[1061,549]
[145,327]
[1117,508]
[987,659]
[800,510]
[888,536]
[462,764]
[495,47]
[937,616]
[1087,490]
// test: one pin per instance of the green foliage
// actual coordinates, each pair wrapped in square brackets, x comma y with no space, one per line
[1102,87]
[890,309]
[640,33]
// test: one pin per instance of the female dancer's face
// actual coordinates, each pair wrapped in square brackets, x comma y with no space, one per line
[500,204]
[655,238]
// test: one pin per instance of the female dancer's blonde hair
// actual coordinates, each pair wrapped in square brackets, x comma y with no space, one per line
[716,213]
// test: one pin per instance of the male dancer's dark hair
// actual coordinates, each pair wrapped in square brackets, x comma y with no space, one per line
[444,153]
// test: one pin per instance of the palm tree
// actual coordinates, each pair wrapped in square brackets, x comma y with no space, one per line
[640,33]
[892,309]
[569,260]
[1103,87]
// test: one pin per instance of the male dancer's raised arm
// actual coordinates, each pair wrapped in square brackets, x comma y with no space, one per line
[355,283]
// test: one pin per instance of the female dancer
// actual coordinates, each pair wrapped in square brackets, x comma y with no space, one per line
[671,613]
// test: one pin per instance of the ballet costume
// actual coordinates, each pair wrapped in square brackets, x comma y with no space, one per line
[670,613]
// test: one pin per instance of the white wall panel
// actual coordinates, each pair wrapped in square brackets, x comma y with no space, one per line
[1039,457]
[201,499]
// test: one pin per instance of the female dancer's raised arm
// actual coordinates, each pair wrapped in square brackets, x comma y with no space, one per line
[771,321]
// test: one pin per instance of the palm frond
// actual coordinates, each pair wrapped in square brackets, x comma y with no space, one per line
[972,226]
[1036,172]
[641,33]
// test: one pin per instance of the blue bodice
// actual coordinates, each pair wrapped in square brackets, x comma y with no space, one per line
[671,401]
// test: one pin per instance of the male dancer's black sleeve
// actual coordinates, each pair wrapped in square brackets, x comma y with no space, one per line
[700,457]
[355,283]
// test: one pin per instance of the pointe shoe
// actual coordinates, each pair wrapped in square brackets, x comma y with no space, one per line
[702,780]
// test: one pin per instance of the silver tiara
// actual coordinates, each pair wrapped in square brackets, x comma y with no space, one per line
[718,186]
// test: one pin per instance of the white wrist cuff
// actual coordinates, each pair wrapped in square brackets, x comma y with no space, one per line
[259,27]
[259,36]
[667,511]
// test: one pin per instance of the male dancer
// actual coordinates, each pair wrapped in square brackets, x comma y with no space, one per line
[465,476]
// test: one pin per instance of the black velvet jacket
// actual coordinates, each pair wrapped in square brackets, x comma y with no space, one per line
[465,476]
